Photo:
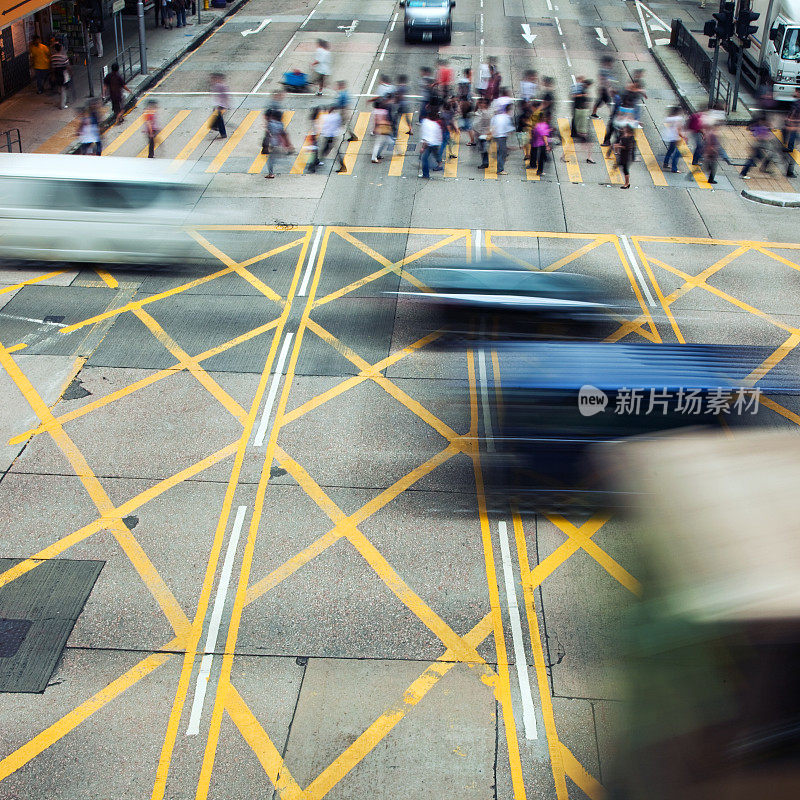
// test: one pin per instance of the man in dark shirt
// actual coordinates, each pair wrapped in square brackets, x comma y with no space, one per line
[115,85]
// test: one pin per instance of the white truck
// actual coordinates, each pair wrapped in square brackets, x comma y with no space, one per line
[779,36]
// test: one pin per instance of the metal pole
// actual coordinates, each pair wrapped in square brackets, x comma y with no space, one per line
[121,35]
[712,83]
[142,44]
[116,40]
[740,53]
[764,40]
[88,61]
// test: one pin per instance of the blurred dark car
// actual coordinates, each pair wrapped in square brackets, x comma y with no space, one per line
[558,401]
[496,300]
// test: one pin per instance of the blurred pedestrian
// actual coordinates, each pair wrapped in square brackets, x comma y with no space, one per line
[484,74]
[331,129]
[430,142]
[673,134]
[180,12]
[540,144]
[697,130]
[447,119]
[40,61]
[482,125]
[425,85]
[404,111]
[625,146]
[792,123]
[501,127]
[62,75]
[151,127]
[88,132]
[464,121]
[495,79]
[548,97]
[528,86]
[321,65]
[167,14]
[222,103]
[274,140]
[114,87]
[711,152]
[444,78]
[343,105]
[310,147]
[464,87]
[605,77]
[761,149]
[580,116]
[381,130]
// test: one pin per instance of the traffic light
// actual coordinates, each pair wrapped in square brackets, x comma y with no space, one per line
[724,18]
[744,26]
[710,28]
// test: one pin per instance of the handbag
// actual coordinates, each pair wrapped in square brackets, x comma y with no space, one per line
[265,145]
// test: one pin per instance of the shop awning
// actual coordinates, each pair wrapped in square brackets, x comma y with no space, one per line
[12,10]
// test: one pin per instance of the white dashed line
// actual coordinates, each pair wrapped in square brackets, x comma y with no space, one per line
[372,83]
[273,391]
[637,269]
[566,54]
[394,22]
[558,25]
[383,52]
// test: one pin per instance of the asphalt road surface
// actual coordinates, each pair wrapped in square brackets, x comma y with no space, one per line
[302,592]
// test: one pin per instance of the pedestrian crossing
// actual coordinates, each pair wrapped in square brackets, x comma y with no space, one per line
[241,151]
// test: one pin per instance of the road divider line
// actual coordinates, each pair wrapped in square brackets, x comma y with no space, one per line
[383,50]
[394,20]
[558,25]
[637,269]
[286,46]
[372,83]
[520,659]
[273,391]
[213,628]
[644,27]
[566,55]
[487,414]
[310,265]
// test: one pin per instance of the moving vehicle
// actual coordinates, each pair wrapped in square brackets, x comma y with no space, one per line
[426,20]
[90,209]
[779,36]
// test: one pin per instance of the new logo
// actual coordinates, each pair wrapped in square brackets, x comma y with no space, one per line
[591,400]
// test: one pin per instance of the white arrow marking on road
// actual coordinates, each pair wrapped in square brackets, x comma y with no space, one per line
[661,41]
[258,29]
[601,38]
[348,29]
[526,33]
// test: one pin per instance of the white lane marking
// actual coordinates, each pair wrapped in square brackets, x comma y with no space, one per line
[526,33]
[213,628]
[478,242]
[655,16]
[263,78]
[305,21]
[310,265]
[566,54]
[558,25]
[286,46]
[661,41]
[521,662]
[383,51]
[601,36]
[549,5]
[394,21]
[481,51]
[573,79]
[372,83]
[644,27]
[273,391]
[487,415]
[37,321]
[636,268]
[258,29]
[481,23]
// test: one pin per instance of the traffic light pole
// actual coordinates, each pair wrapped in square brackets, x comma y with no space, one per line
[740,54]
[713,81]
[764,39]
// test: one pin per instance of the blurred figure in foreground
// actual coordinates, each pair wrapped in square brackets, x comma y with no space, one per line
[712,706]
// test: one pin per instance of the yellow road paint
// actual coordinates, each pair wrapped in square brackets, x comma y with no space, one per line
[165,759]
[164,133]
[581,251]
[20,757]
[261,744]
[123,137]
[159,590]
[590,786]
[539,663]
[353,147]
[124,510]
[568,148]
[31,281]
[609,159]
[401,146]
[503,685]
[784,412]
[233,140]
[777,257]
[307,150]
[61,140]
[694,169]
[779,135]
[491,171]
[193,143]
[260,160]
[650,161]
[772,360]
[663,300]
[636,290]
[451,164]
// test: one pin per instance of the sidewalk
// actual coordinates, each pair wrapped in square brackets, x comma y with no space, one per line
[45,127]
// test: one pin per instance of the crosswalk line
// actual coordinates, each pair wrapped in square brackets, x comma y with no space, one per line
[303,156]
[260,160]
[233,140]
[192,144]
[608,154]
[400,148]
[123,137]
[568,148]
[353,147]
[649,159]
[451,164]
[491,171]
[694,169]
[165,132]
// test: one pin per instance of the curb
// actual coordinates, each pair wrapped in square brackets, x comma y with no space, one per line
[158,74]
[778,199]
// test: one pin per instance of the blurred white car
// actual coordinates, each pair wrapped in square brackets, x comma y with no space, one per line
[90,209]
